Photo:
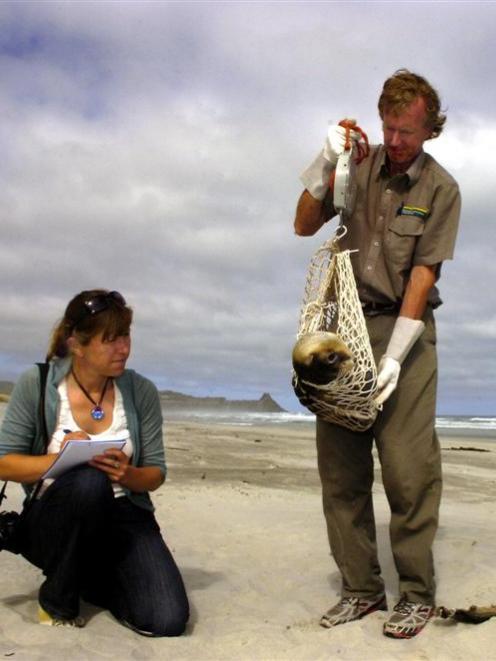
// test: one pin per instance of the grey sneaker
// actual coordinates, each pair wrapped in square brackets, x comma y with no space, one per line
[408,619]
[352,608]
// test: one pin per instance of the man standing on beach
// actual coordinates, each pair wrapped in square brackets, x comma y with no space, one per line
[404,226]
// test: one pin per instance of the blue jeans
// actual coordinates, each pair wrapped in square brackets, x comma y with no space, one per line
[106,550]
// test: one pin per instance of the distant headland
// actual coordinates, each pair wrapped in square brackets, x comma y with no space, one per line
[175,400]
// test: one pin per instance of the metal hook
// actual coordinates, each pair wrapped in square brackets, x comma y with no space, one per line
[341,228]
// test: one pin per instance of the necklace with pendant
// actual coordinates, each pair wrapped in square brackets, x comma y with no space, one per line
[97,413]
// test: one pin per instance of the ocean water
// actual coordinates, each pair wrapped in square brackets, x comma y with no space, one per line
[483,427]
[240,418]
[459,425]
[470,425]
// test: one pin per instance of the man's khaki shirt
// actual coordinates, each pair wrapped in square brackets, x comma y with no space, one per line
[399,222]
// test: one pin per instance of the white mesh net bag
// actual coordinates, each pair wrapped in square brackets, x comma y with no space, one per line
[331,304]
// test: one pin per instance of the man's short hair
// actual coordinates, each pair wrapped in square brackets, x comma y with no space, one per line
[402,88]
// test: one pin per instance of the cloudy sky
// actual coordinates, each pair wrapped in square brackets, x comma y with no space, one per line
[155,148]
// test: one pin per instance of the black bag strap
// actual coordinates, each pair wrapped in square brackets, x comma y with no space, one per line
[2,493]
[43,368]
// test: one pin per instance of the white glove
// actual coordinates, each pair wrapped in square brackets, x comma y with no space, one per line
[405,333]
[316,177]
[387,378]
[336,141]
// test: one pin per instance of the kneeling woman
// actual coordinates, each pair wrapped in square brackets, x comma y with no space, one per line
[92,530]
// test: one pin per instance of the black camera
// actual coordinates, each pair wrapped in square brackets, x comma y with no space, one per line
[9,531]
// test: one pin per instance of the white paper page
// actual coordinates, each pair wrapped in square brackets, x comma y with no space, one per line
[79,452]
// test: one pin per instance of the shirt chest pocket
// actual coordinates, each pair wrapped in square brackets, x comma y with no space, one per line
[402,235]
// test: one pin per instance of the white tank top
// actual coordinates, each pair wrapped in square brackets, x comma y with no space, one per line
[118,430]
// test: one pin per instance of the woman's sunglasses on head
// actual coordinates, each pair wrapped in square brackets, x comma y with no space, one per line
[99,303]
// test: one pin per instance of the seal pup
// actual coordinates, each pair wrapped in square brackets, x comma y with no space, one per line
[320,357]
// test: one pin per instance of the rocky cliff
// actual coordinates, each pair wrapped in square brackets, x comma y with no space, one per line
[176,400]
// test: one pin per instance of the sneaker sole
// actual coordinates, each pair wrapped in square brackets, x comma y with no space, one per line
[410,634]
[402,636]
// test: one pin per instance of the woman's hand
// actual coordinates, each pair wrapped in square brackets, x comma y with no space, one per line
[74,436]
[117,466]
[113,462]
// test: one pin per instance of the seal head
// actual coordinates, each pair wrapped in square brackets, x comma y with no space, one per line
[321,357]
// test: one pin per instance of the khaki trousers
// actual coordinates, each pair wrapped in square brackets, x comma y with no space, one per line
[410,459]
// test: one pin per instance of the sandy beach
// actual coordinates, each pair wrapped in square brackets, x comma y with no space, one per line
[241,512]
